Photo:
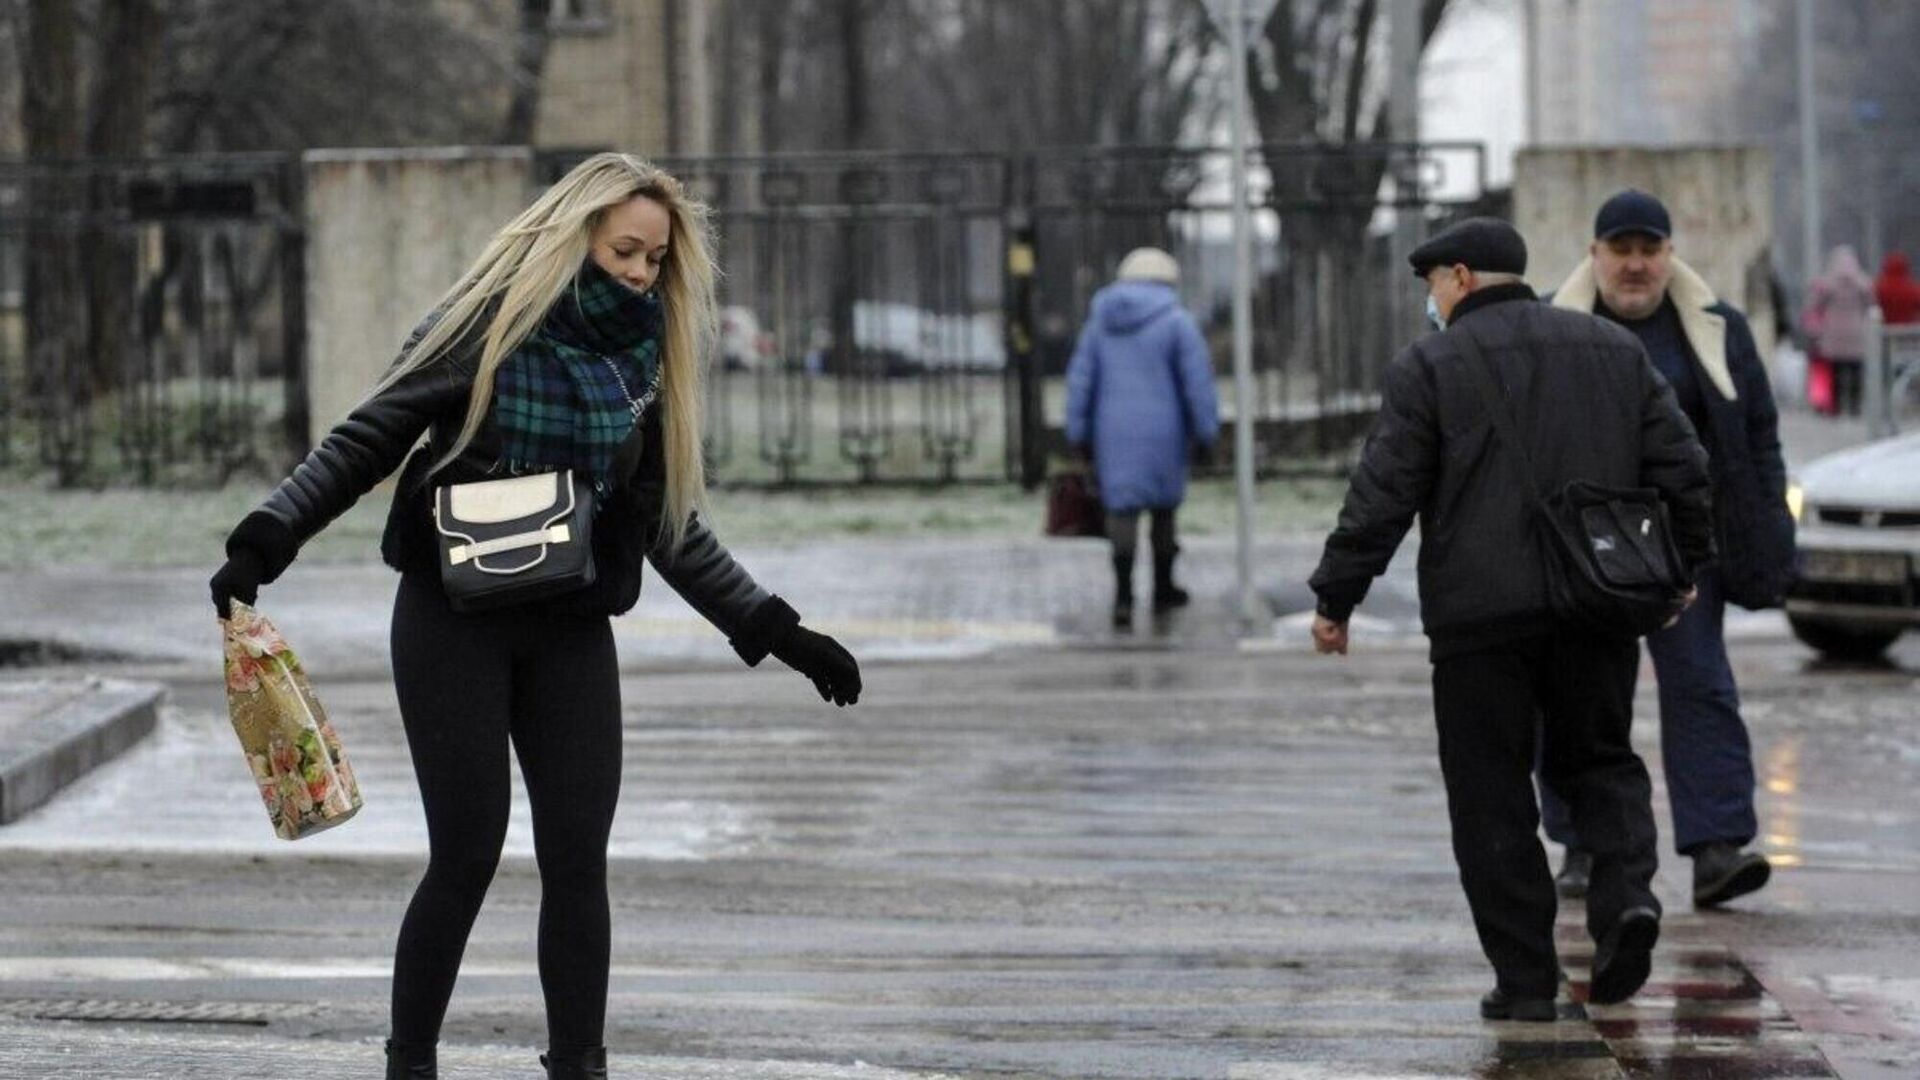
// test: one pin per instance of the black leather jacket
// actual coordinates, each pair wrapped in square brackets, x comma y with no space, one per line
[374,440]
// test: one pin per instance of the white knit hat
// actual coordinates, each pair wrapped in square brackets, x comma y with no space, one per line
[1149,264]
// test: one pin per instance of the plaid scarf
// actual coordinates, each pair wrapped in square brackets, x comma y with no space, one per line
[559,401]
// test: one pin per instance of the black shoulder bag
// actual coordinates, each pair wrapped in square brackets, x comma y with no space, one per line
[1611,565]
[513,540]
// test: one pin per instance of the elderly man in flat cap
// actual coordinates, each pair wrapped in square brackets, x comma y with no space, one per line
[1702,346]
[1585,403]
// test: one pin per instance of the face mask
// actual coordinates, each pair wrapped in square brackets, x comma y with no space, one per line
[1433,313]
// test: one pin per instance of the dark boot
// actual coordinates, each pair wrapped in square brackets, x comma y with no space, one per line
[406,1062]
[1166,595]
[1123,592]
[1722,872]
[1576,871]
[587,1065]
[1500,1005]
[1623,956]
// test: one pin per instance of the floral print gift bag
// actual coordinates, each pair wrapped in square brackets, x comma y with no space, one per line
[296,758]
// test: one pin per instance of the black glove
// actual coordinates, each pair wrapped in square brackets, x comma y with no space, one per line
[832,668]
[238,580]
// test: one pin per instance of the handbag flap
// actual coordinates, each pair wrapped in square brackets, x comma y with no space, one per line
[487,502]
[1626,549]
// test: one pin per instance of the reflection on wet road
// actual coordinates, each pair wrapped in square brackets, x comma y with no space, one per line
[1139,864]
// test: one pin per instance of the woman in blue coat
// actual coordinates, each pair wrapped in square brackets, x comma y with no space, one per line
[1139,394]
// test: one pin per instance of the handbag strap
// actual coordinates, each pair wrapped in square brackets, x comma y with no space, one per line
[1482,374]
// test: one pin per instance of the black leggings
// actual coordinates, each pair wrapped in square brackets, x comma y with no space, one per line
[467,685]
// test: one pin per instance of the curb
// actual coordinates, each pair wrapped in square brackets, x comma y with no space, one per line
[47,750]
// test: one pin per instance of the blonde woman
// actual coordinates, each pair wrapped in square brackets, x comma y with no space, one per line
[575,341]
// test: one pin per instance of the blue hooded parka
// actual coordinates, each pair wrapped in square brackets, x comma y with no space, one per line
[1139,390]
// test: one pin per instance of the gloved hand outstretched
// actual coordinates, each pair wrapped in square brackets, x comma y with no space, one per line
[832,668]
[238,580]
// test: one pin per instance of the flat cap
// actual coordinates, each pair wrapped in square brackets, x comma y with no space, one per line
[1486,244]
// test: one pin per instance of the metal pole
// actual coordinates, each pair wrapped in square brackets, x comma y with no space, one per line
[1873,377]
[1403,81]
[1244,409]
[1809,147]
[1873,202]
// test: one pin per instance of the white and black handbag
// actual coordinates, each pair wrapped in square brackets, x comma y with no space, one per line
[512,540]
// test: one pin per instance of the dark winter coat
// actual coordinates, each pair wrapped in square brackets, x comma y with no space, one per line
[1752,524]
[1590,406]
[373,441]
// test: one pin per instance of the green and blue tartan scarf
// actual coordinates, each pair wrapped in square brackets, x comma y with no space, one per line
[557,402]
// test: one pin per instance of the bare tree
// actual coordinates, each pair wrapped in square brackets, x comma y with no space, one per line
[51,122]
[529,66]
[127,47]
[1866,69]
[297,73]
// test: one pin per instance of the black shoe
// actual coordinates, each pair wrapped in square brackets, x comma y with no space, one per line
[588,1065]
[411,1062]
[1576,871]
[1123,592]
[1500,1005]
[1624,956]
[1722,871]
[1166,595]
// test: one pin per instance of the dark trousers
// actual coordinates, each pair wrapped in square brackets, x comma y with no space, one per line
[1123,529]
[1570,698]
[470,685]
[1704,748]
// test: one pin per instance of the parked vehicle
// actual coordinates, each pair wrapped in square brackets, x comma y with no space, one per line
[913,339]
[744,346]
[1859,514]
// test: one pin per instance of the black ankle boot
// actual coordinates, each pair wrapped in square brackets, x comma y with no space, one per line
[586,1065]
[1166,595]
[406,1062]
[1122,592]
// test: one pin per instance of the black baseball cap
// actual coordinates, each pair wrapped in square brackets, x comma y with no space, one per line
[1632,211]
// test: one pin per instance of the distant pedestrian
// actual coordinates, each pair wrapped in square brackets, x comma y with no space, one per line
[1835,320]
[1898,293]
[1140,396]
[574,342]
[1507,674]
[1704,350]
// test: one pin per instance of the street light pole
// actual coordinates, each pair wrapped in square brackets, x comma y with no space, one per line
[1809,146]
[1244,409]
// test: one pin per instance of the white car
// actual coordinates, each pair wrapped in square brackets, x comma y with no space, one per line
[1859,539]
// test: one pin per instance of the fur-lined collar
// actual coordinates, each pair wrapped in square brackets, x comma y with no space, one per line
[1691,295]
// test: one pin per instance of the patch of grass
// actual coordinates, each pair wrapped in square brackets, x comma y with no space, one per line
[43,527]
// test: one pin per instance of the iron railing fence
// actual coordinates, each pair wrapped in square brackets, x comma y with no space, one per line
[887,317]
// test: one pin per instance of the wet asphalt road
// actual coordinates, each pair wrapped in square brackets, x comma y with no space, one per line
[1092,862]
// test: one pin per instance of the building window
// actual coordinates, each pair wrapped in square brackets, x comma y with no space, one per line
[580,16]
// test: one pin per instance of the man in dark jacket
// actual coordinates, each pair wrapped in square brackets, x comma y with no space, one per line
[1702,347]
[1589,406]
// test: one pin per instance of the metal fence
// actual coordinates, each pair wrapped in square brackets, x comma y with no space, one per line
[1891,377]
[887,318]
[151,319]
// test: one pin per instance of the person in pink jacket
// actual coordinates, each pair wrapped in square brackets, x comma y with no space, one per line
[1835,321]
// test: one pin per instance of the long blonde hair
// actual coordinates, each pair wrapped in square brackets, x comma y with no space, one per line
[533,259]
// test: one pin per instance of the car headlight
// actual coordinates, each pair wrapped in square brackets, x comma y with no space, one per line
[1796,500]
